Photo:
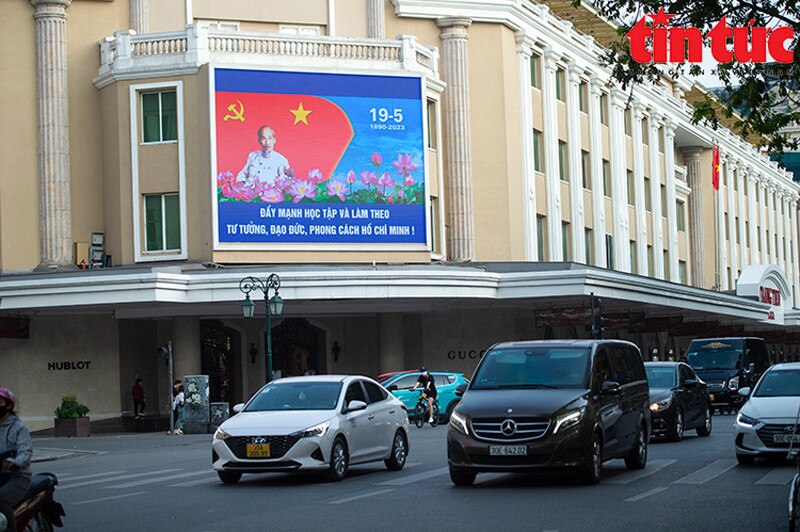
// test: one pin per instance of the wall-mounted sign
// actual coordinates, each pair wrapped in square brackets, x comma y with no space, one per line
[315,159]
[68,365]
[766,283]
[471,354]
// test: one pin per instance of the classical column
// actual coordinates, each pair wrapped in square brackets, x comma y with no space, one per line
[139,16]
[740,210]
[691,157]
[458,172]
[771,224]
[391,349]
[722,249]
[619,186]
[752,217]
[596,158]
[553,184]
[376,19]
[655,195]
[574,145]
[779,214]
[787,237]
[639,192]
[762,216]
[730,177]
[55,209]
[672,226]
[524,52]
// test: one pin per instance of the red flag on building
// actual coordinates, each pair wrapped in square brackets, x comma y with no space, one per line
[715,167]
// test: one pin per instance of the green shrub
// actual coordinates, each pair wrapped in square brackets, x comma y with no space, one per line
[70,408]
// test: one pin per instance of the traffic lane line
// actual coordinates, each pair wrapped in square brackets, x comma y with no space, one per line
[196,482]
[362,496]
[156,480]
[645,494]
[709,472]
[653,466]
[777,477]
[103,499]
[410,479]
[124,477]
[73,479]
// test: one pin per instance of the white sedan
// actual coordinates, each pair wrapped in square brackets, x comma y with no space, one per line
[767,423]
[321,422]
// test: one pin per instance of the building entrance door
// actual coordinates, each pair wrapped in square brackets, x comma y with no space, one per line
[298,348]
[220,350]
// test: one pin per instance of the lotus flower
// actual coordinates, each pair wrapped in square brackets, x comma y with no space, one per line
[283,183]
[404,164]
[386,180]
[368,177]
[408,180]
[289,171]
[336,188]
[315,176]
[301,189]
[351,177]
[376,159]
[272,195]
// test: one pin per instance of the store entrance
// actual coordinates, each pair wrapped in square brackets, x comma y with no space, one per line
[220,348]
[298,348]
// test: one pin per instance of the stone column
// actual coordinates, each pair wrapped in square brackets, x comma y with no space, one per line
[694,177]
[672,226]
[596,157]
[140,16]
[55,209]
[740,210]
[787,236]
[752,217]
[771,251]
[524,52]
[762,216]
[722,249]
[730,177]
[186,347]
[574,147]
[376,19]
[655,194]
[553,183]
[638,179]
[619,186]
[391,351]
[458,170]
[779,215]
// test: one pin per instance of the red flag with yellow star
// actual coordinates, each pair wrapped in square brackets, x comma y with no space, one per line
[310,131]
[715,167]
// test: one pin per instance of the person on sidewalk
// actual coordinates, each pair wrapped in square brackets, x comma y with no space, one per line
[178,406]
[138,399]
[17,449]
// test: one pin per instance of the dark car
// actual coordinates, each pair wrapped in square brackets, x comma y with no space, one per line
[727,364]
[678,400]
[551,405]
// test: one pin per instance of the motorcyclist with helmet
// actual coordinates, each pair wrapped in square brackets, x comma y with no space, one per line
[16,450]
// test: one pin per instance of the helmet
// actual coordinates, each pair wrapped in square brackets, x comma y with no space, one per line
[6,394]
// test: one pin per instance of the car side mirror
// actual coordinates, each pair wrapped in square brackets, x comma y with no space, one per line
[352,406]
[744,391]
[460,389]
[609,387]
[392,387]
[690,383]
[238,408]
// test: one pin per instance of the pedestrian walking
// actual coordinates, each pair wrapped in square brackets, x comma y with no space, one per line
[137,392]
[178,406]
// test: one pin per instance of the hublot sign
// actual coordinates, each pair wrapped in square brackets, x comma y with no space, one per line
[67,365]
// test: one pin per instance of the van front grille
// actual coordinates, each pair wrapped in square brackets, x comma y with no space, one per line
[500,429]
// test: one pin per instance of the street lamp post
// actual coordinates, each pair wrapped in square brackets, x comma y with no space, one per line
[274,306]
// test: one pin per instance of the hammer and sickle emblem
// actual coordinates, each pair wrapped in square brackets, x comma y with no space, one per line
[238,114]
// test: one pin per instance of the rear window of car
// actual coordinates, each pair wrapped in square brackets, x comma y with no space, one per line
[441,380]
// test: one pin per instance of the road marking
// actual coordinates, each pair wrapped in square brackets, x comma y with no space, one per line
[415,478]
[110,498]
[645,494]
[777,477]
[653,466]
[124,477]
[155,480]
[362,496]
[90,476]
[709,472]
[192,482]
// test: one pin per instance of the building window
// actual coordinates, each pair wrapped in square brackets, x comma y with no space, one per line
[648,195]
[586,170]
[682,271]
[536,72]
[680,215]
[725,226]
[604,109]
[663,200]
[606,178]
[631,188]
[225,25]
[541,233]
[560,84]
[610,251]
[159,116]
[747,232]
[662,140]
[650,264]
[538,153]
[634,262]
[162,222]
[431,117]
[738,234]
[583,91]
[566,242]
[628,121]
[735,182]
[646,131]
[563,162]
[435,248]
[295,29]
[666,265]
[589,245]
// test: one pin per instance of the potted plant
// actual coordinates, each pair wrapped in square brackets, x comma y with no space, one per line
[71,418]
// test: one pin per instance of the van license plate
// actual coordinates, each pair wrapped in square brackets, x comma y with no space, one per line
[711,397]
[508,450]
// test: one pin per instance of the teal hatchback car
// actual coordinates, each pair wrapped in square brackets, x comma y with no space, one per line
[400,384]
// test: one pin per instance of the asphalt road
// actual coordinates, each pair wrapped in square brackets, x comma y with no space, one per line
[157,482]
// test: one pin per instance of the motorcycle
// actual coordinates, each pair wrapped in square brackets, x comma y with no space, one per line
[38,511]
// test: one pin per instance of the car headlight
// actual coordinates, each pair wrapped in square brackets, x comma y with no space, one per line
[316,430]
[568,419]
[661,405]
[733,384]
[746,421]
[221,435]
[459,422]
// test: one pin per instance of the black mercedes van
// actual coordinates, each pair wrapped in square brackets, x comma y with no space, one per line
[549,405]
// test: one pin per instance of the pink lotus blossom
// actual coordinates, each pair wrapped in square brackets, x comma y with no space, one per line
[386,180]
[368,178]
[272,195]
[336,188]
[301,189]
[404,164]
[390,199]
[376,159]
[351,177]
[224,178]
[315,176]
[408,180]
[401,194]
[283,183]
[246,194]
[289,171]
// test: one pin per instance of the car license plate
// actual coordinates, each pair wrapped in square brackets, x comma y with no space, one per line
[711,397]
[508,450]
[786,438]
[258,450]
